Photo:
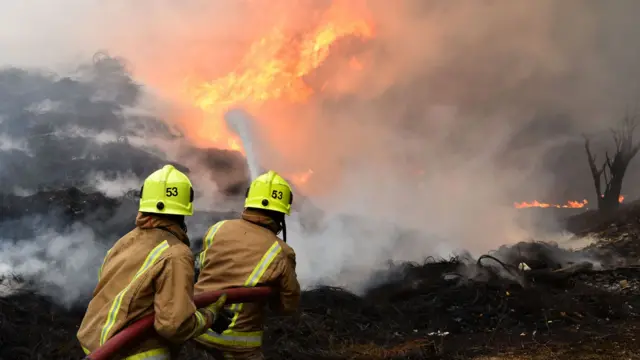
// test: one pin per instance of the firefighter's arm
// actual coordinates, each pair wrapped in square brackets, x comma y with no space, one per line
[289,288]
[176,316]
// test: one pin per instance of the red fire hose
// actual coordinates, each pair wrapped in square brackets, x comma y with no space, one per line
[138,328]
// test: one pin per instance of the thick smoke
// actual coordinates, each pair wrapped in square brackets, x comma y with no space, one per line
[457,110]
[85,132]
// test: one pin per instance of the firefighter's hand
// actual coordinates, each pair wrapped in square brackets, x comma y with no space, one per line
[219,304]
[215,309]
[222,320]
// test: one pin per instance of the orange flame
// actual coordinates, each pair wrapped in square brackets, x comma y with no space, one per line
[272,69]
[569,204]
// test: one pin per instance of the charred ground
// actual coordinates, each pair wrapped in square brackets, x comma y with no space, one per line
[449,309]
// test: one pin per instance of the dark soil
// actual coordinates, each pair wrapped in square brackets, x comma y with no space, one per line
[431,311]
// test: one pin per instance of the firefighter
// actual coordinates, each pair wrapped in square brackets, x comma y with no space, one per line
[247,252]
[150,269]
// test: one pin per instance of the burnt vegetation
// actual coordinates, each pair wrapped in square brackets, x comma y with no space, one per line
[60,132]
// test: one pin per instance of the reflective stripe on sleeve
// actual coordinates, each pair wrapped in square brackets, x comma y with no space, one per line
[232,338]
[151,259]
[201,323]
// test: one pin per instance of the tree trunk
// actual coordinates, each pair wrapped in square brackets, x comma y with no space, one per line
[601,204]
[610,202]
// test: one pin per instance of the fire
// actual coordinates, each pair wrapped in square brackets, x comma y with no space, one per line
[536,203]
[273,68]
[569,204]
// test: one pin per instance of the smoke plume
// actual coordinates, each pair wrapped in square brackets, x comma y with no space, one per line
[419,137]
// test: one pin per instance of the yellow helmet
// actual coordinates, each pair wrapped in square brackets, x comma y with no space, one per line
[167,191]
[270,191]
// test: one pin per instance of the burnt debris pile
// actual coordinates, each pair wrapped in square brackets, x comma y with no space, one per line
[419,311]
[427,304]
[76,147]
[34,327]
[63,131]
[22,217]
[620,230]
[93,129]
[413,315]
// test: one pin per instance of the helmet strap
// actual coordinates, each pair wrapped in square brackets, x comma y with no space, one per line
[284,230]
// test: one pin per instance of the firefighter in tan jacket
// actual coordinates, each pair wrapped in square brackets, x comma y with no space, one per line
[248,252]
[150,269]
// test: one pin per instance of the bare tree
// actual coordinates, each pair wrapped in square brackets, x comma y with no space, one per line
[612,170]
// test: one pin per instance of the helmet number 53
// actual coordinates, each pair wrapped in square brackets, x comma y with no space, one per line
[172,191]
[276,194]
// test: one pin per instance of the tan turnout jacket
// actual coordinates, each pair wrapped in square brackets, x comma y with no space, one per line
[247,252]
[149,269]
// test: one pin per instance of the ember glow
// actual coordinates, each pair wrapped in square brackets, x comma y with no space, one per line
[568,205]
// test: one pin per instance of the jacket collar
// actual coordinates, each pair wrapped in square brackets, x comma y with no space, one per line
[150,221]
[259,219]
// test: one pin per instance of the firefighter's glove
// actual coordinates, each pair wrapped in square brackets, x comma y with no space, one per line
[223,319]
[214,310]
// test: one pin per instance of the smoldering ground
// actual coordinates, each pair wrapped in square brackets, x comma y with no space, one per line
[456,110]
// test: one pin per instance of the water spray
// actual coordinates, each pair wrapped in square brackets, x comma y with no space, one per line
[239,121]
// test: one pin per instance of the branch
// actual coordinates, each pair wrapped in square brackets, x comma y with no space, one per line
[625,136]
[591,158]
[630,123]
[617,138]
[607,161]
[595,173]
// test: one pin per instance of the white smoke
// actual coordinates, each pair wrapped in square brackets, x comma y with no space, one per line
[116,187]
[65,264]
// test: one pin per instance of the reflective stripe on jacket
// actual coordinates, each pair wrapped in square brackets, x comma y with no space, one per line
[150,269]
[245,252]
